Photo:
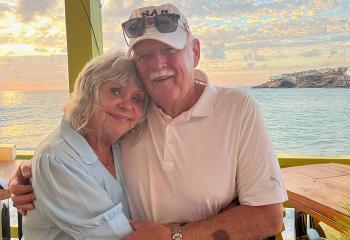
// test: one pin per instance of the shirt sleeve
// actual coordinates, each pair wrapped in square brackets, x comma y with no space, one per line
[74,201]
[259,180]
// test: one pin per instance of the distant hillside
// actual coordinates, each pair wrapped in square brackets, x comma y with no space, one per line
[322,78]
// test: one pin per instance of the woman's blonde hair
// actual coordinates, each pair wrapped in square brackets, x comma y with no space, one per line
[109,67]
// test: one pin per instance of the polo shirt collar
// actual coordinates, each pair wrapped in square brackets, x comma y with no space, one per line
[77,142]
[205,104]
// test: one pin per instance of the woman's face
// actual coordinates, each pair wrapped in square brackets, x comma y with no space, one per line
[120,108]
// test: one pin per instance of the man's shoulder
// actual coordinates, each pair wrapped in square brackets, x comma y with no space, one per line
[233,95]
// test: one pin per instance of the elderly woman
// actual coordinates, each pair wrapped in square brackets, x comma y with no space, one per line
[76,177]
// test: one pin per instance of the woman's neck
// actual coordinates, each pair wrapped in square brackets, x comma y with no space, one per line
[103,149]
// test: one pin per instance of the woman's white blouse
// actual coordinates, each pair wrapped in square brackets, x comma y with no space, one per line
[76,197]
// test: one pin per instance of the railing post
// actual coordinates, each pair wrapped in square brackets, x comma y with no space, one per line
[5,230]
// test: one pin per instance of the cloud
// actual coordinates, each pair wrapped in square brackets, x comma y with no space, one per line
[274,24]
[254,56]
[45,30]
[312,53]
[4,8]
[43,50]
[215,51]
[119,9]
[297,42]
[4,39]
[29,9]
[250,65]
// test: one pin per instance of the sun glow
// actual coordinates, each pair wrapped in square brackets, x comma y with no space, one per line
[14,49]
[11,98]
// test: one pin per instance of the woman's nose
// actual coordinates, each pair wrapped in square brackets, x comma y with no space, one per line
[125,104]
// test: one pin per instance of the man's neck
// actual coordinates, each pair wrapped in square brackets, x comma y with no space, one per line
[175,108]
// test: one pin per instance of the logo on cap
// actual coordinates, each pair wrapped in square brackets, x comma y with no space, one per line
[153,13]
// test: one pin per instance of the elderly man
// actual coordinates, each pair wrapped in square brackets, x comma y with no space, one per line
[204,146]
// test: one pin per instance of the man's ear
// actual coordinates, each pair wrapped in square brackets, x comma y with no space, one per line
[196,51]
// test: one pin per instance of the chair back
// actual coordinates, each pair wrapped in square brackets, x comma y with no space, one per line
[6,231]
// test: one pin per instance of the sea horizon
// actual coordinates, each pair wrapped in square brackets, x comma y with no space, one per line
[307,122]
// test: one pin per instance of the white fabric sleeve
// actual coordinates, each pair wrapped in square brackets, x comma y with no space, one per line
[259,180]
[74,201]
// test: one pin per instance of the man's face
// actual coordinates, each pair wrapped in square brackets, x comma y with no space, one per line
[167,73]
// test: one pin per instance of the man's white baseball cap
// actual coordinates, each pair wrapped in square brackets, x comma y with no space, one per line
[176,39]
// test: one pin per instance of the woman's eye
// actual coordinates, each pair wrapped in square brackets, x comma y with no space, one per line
[115,91]
[142,57]
[138,99]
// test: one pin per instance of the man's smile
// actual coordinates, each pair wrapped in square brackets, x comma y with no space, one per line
[162,78]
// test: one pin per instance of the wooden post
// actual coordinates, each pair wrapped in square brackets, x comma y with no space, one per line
[84,34]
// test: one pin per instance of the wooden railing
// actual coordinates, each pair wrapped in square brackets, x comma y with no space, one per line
[285,161]
[292,161]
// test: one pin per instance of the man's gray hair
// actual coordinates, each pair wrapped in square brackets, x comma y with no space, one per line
[111,67]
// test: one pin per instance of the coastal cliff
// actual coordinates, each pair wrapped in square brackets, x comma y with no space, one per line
[323,78]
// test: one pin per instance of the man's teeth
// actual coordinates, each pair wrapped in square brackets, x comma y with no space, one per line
[161,79]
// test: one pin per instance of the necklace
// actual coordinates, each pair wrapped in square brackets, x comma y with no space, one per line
[110,168]
[109,165]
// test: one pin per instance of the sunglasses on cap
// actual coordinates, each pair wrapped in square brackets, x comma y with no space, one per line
[165,23]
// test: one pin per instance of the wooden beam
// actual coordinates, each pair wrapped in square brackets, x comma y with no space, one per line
[84,34]
[291,161]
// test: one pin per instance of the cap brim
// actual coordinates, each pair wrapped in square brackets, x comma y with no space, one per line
[175,39]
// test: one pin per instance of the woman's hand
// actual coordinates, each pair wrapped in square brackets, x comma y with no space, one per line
[147,230]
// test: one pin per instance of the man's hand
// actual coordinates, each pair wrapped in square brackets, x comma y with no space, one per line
[21,191]
[147,230]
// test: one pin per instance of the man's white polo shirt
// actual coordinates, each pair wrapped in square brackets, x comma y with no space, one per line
[190,167]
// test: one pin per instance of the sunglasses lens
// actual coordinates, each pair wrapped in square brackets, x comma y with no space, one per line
[134,27]
[166,23]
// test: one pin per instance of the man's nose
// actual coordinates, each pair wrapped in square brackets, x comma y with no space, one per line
[159,61]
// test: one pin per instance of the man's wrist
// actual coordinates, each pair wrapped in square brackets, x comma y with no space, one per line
[176,233]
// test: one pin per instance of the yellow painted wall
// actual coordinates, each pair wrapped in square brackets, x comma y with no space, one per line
[84,34]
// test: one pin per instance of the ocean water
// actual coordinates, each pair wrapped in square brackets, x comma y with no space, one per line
[27,117]
[300,121]
[307,121]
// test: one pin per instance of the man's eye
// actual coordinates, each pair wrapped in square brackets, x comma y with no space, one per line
[170,50]
[115,91]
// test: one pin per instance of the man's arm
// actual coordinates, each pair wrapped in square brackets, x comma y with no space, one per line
[21,191]
[235,223]
[240,222]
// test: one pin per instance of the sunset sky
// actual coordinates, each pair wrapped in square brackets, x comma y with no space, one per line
[242,42]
